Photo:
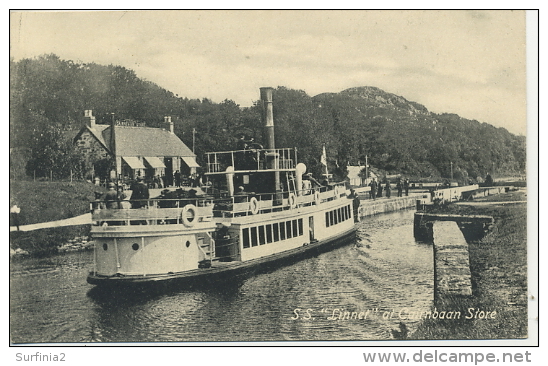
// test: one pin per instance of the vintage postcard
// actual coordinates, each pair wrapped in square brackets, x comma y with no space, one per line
[306,177]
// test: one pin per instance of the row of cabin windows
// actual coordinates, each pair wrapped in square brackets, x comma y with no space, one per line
[271,233]
[336,216]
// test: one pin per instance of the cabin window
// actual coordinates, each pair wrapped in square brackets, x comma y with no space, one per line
[295,229]
[288,229]
[262,236]
[245,236]
[300,227]
[339,215]
[345,211]
[268,233]
[331,218]
[254,241]
[282,231]
[135,246]
[348,212]
[327,224]
[276,229]
[105,246]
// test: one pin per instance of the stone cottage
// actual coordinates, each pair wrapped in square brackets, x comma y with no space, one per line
[126,149]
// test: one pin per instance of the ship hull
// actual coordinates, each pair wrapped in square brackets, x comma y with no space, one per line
[220,272]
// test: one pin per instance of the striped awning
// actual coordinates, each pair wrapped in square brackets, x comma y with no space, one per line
[190,161]
[155,162]
[133,162]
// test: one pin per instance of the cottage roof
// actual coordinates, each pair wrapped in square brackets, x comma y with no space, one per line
[140,141]
[97,131]
[146,141]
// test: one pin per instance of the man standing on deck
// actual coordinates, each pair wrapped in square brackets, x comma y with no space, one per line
[111,197]
[139,192]
[222,242]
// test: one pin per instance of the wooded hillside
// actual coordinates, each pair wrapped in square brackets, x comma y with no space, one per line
[49,95]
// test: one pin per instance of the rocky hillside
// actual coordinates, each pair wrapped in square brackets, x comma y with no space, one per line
[48,96]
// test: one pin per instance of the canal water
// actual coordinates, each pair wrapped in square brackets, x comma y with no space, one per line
[361,291]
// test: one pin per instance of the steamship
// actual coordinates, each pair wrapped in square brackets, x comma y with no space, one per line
[225,232]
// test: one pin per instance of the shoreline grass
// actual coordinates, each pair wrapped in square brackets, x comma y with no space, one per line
[49,201]
[498,265]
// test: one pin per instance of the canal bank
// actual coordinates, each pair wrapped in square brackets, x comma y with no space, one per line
[497,308]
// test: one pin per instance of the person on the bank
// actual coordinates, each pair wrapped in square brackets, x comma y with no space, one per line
[379,190]
[14,215]
[406,186]
[355,204]
[373,189]
[399,187]
[388,189]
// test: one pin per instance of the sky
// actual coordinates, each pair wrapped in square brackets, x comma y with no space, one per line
[471,63]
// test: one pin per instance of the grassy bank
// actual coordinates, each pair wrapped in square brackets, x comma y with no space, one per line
[49,201]
[498,264]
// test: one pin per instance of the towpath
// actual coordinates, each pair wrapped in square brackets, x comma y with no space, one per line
[84,219]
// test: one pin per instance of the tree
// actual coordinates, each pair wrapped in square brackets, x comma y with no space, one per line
[52,152]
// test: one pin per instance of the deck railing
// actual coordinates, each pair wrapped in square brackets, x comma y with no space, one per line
[251,160]
[190,211]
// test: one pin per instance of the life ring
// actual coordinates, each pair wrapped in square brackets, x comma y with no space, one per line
[292,200]
[193,214]
[317,198]
[253,206]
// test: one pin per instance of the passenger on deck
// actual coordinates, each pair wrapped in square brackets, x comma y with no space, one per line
[240,195]
[139,192]
[313,180]
[122,198]
[177,177]
[222,242]
[111,197]
[307,185]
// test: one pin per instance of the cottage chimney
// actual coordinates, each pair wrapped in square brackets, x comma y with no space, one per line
[90,118]
[167,119]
